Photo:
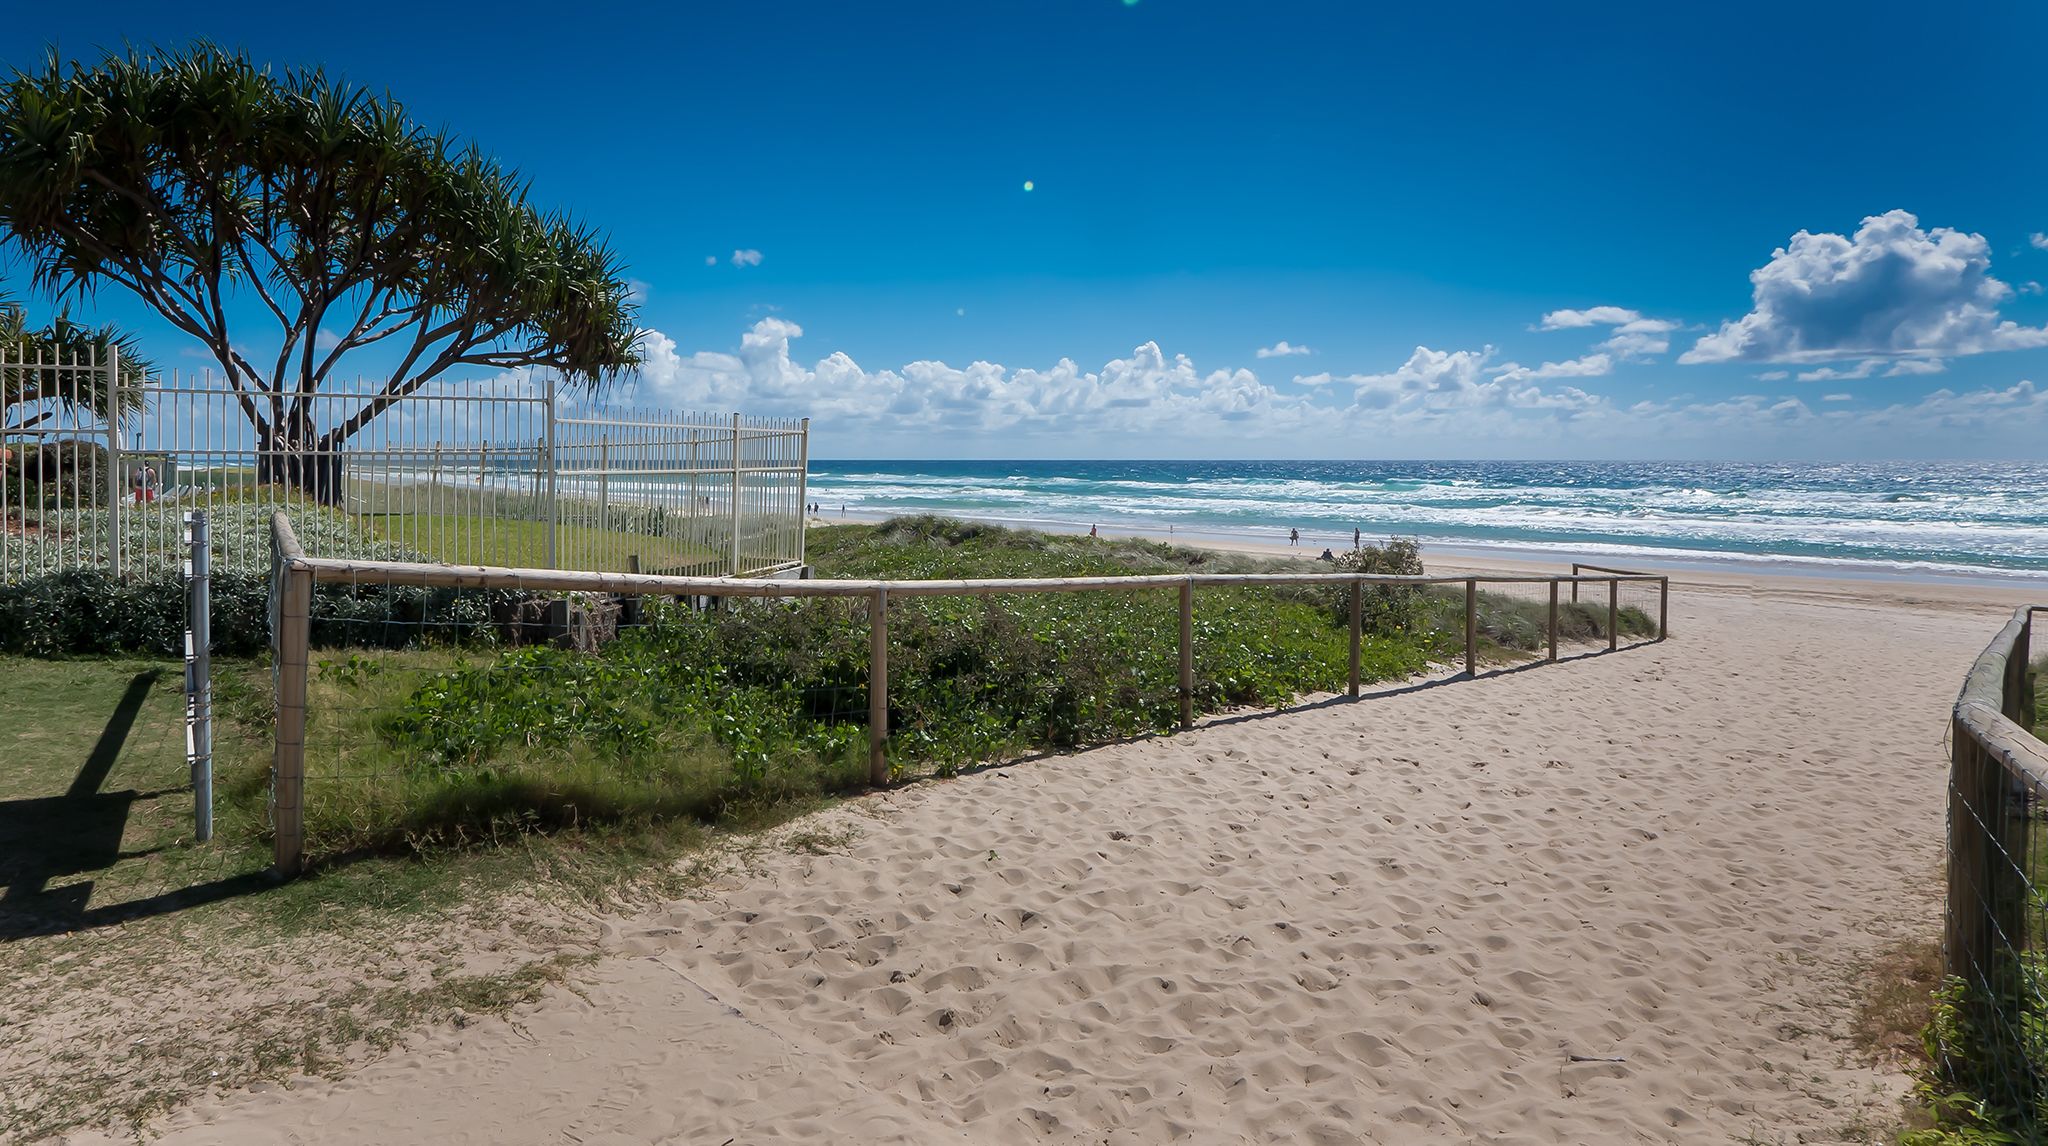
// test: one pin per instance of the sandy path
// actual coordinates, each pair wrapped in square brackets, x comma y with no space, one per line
[1390,921]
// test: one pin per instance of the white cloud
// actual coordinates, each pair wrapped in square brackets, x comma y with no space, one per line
[1158,404]
[1828,373]
[1592,316]
[710,260]
[746,257]
[1146,392]
[1907,366]
[1282,349]
[1774,375]
[1893,289]
[1590,366]
[1634,337]
[2039,240]
[1640,338]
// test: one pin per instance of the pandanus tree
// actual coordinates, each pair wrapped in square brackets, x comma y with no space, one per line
[219,192]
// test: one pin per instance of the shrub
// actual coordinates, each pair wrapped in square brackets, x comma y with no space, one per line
[1387,609]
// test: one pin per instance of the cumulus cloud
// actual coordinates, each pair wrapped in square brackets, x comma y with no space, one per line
[1591,316]
[1891,290]
[2039,240]
[1282,349]
[1155,402]
[1590,366]
[1829,373]
[1864,369]
[1434,382]
[1147,390]
[746,257]
[1906,366]
[1634,337]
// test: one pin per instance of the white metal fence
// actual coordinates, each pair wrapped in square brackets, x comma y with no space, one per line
[501,472]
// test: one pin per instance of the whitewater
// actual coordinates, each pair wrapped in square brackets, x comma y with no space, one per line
[1952,518]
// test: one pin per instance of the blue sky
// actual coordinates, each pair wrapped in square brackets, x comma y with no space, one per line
[1406,194]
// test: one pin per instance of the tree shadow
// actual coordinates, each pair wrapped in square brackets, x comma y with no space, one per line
[45,838]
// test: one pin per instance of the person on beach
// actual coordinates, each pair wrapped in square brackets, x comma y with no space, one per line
[1294,537]
[1092,532]
[1328,556]
[1357,537]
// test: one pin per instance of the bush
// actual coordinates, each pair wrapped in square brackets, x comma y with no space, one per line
[1388,609]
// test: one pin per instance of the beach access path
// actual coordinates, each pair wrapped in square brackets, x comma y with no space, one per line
[1622,899]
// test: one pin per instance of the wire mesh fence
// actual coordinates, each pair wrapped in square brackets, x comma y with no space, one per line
[416,699]
[1991,1023]
[507,472]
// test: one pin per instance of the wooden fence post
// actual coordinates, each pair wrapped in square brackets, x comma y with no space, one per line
[878,688]
[288,761]
[1357,630]
[1663,607]
[1187,654]
[1553,620]
[1613,595]
[1575,584]
[1471,628]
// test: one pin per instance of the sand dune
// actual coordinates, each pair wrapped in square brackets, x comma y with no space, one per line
[1403,920]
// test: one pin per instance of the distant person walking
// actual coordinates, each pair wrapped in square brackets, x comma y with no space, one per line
[1092,532]
[1357,538]
[1294,537]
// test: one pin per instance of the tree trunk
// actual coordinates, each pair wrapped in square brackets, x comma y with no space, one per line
[292,456]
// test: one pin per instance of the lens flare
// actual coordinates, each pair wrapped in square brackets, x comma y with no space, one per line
[1027,185]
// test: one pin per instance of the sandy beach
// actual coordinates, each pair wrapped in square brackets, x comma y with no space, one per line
[1626,898]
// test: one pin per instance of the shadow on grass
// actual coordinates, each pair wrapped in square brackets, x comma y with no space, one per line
[78,833]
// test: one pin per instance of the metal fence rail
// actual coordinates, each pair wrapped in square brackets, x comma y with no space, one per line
[295,574]
[509,471]
[1995,938]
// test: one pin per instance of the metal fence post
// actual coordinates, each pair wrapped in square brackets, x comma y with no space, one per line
[1187,654]
[553,511]
[735,495]
[878,688]
[604,483]
[114,488]
[288,762]
[199,673]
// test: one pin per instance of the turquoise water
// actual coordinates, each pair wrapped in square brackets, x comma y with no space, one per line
[1960,518]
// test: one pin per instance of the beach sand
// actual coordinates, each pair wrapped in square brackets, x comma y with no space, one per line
[1390,921]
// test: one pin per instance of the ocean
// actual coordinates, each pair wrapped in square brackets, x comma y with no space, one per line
[1871,518]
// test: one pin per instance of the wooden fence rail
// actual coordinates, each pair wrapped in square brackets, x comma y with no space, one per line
[296,573]
[1996,926]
